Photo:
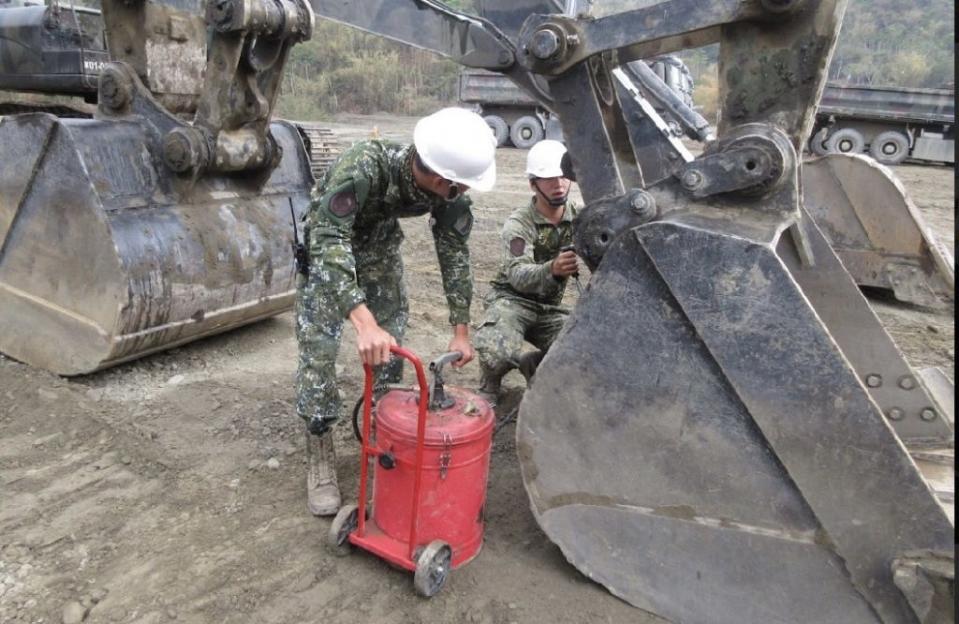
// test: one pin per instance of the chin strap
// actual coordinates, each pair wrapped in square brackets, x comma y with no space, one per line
[552,202]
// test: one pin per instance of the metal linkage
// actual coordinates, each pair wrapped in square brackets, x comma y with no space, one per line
[669,100]
[551,44]
[753,159]
[164,41]
[231,87]
[249,48]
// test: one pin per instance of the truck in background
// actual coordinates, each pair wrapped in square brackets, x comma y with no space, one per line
[50,58]
[891,124]
[517,119]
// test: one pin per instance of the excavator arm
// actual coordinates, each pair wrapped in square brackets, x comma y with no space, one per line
[723,432]
[166,63]
[470,40]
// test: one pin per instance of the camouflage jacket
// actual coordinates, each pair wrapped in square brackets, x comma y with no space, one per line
[370,183]
[530,242]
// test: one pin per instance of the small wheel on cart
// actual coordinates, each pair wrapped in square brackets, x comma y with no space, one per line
[344,523]
[432,567]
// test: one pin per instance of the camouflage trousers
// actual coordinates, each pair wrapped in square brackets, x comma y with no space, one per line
[319,328]
[508,322]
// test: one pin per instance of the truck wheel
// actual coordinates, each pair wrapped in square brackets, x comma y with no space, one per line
[846,141]
[499,127]
[817,144]
[890,148]
[526,132]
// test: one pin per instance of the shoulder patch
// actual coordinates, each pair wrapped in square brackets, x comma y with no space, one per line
[343,203]
[517,246]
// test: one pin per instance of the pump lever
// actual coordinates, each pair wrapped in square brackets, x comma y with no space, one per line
[438,398]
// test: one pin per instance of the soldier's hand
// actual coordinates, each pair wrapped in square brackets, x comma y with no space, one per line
[565,264]
[373,344]
[372,341]
[461,342]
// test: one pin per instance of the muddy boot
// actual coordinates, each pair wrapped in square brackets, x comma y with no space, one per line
[322,491]
[490,387]
[528,363]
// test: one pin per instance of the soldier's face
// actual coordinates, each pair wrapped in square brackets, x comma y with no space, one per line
[552,188]
[438,185]
[447,189]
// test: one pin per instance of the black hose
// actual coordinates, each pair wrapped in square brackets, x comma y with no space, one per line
[356,419]
[377,393]
[505,420]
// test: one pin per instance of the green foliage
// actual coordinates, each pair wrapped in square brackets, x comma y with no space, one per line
[888,42]
[342,69]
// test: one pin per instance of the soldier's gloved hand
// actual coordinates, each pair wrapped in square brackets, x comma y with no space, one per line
[318,426]
[565,264]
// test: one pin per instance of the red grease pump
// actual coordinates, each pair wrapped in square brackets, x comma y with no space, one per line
[432,450]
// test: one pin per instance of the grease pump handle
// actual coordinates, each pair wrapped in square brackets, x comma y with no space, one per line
[438,398]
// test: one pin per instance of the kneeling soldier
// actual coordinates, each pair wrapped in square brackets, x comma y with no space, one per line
[525,301]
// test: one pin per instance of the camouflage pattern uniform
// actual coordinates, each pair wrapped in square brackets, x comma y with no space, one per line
[353,239]
[525,301]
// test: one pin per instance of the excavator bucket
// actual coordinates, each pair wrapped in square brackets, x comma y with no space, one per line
[723,432]
[169,216]
[690,457]
[105,258]
[876,230]
[695,442]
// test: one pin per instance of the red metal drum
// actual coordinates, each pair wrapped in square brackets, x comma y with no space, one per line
[456,456]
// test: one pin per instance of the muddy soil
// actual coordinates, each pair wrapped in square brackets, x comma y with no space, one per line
[171,488]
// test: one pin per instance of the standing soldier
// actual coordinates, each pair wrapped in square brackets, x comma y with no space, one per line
[352,237]
[525,301]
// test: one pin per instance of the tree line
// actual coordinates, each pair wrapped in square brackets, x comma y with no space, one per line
[882,42]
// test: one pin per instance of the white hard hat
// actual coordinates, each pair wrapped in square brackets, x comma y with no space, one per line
[545,159]
[458,145]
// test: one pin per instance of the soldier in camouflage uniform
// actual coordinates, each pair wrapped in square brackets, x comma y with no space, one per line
[355,270]
[525,302]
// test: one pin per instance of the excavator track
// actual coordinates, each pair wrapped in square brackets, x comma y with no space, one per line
[321,146]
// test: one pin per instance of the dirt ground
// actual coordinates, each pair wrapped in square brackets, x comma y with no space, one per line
[171,488]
